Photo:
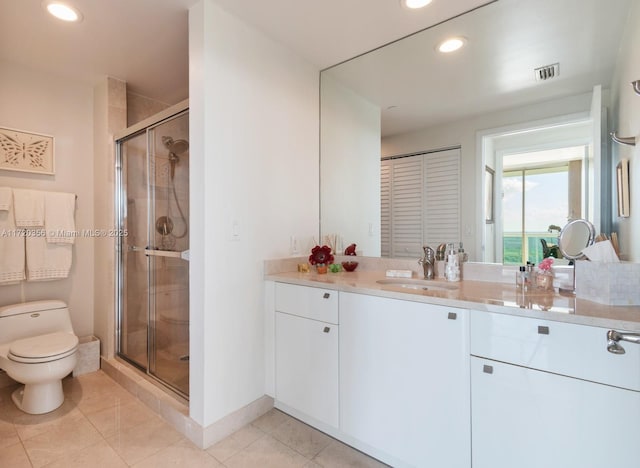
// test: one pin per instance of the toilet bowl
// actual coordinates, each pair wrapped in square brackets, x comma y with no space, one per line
[38,349]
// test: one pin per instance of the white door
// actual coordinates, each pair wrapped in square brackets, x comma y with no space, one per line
[532,419]
[404,380]
[307,366]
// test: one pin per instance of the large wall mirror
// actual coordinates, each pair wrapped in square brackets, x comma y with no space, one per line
[407,132]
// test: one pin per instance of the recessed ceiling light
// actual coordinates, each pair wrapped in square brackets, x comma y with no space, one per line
[451,45]
[414,4]
[62,11]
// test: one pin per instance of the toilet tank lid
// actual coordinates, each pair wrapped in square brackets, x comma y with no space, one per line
[30,307]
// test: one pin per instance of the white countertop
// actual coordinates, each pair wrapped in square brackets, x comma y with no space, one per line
[477,295]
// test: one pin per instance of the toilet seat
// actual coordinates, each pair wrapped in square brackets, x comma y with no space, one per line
[43,348]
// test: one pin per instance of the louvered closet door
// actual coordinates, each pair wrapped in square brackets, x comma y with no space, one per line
[406,207]
[385,208]
[420,202]
[442,197]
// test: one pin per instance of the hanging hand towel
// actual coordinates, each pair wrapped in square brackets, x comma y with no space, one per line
[11,243]
[29,207]
[47,261]
[6,198]
[59,223]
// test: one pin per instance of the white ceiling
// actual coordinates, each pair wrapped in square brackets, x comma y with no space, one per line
[506,41]
[145,42]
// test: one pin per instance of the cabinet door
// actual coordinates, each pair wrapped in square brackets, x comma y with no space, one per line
[530,419]
[307,366]
[404,380]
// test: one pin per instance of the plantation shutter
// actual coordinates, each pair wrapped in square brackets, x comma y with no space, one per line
[406,207]
[420,202]
[385,208]
[442,197]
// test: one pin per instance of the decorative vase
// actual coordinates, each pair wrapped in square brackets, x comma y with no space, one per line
[321,268]
[544,281]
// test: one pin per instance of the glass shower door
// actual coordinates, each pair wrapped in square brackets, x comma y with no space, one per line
[168,253]
[134,301]
[153,321]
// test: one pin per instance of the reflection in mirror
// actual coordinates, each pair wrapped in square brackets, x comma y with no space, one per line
[484,102]
[622,185]
[575,237]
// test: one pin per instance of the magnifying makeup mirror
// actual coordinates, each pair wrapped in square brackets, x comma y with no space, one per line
[573,239]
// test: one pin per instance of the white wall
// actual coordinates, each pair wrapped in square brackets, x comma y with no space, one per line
[626,120]
[463,133]
[32,101]
[350,174]
[254,162]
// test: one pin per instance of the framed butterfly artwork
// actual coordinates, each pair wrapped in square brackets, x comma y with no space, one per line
[26,151]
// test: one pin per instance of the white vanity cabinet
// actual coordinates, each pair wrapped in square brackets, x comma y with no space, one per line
[306,352]
[549,394]
[404,381]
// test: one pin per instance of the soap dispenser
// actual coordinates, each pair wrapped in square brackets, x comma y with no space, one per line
[452,268]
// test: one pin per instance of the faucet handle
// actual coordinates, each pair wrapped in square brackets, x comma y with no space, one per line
[429,253]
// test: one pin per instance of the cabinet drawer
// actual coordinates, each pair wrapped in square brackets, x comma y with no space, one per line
[563,348]
[313,303]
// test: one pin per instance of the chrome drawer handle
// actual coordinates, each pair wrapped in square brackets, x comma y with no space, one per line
[326,329]
[326,295]
[487,369]
[452,316]
[542,330]
[613,337]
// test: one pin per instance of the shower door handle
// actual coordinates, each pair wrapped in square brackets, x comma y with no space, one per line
[167,253]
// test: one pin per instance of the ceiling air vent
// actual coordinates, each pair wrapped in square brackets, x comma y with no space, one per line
[547,72]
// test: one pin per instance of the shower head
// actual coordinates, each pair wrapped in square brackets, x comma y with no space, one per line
[175,147]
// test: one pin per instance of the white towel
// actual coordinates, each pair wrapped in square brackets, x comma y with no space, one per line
[29,207]
[11,247]
[6,198]
[47,261]
[59,223]
[601,252]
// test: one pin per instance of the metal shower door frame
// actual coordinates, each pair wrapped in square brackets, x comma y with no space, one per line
[145,127]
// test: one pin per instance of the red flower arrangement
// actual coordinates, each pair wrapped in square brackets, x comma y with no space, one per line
[321,255]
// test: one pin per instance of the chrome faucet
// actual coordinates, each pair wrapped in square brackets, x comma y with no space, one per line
[428,262]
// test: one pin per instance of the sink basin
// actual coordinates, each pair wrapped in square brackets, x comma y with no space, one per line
[417,284]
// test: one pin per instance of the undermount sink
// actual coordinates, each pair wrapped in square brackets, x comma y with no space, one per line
[417,284]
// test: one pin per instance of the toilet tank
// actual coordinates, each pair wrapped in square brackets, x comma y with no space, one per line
[33,318]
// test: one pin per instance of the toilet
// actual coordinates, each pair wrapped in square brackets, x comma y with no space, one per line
[38,348]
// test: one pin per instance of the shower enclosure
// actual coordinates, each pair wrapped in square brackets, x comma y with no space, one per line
[152,199]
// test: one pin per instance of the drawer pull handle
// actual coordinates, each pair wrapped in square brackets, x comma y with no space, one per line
[326,295]
[543,330]
[452,316]
[487,369]
[326,329]
[613,337]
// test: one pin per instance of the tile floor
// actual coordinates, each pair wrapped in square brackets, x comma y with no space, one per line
[102,425]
